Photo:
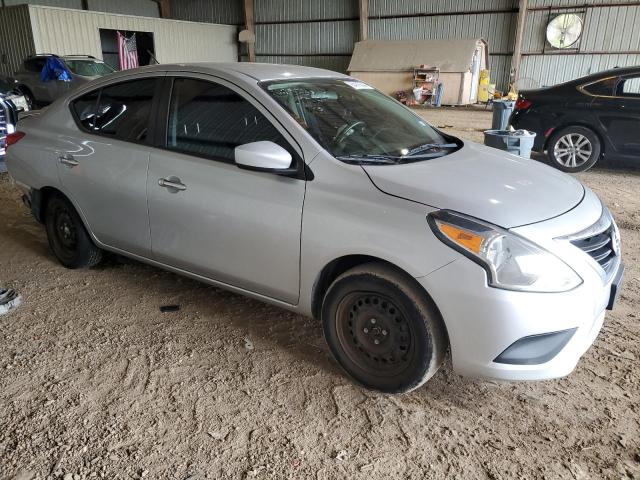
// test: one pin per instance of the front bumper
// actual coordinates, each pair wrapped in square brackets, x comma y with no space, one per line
[483,322]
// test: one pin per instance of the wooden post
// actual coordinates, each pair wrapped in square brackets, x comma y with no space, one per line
[165,8]
[364,19]
[249,22]
[517,49]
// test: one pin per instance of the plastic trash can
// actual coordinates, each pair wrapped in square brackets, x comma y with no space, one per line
[501,112]
[519,142]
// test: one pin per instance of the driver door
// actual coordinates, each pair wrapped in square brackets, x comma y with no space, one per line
[231,225]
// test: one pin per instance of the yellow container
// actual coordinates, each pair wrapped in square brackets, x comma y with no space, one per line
[484,87]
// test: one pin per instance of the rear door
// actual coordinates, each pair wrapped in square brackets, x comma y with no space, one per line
[617,107]
[624,127]
[103,166]
[232,225]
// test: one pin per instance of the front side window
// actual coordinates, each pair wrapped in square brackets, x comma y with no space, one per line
[123,110]
[211,120]
[355,122]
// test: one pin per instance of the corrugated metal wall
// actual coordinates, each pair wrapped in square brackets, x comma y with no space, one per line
[50,3]
[16,40]
[210,11]
[610,39]
[495,21]
[174,41]
[313,33]
[145,8]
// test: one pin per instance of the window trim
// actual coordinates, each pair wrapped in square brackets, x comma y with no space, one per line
[151,124]
[582,88]
[303,172]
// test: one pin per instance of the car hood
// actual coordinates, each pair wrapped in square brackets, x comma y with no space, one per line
[483,182]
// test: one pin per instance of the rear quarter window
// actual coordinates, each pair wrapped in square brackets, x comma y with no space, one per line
[601,88]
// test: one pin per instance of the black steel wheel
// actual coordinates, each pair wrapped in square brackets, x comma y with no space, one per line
[68,239]
[382,329]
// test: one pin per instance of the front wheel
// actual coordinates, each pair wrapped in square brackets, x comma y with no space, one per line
[68,239]
[574,149]
[382,329]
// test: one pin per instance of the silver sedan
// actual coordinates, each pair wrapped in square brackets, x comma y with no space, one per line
[313,191]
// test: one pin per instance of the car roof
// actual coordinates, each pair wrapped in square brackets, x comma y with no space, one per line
[258,71]
[47,55]
[612,72]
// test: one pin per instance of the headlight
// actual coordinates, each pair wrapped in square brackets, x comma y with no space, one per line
[511,262]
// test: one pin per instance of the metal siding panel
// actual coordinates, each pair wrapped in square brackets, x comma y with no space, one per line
[174,41]
[16,39]
[405,7]
[209,11]
[495,28]
[144,8]
[566,3]
[552,69]
[306,38]
[328,62]
[50,3]
[301,10]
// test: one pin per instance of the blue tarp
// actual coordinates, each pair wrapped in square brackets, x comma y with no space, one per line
[54,69]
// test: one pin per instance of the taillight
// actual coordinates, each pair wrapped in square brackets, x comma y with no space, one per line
[13,138]
[523,104]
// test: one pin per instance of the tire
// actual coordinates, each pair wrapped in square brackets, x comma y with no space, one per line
[31,101]
[375,303]
[574,149]
[68,239]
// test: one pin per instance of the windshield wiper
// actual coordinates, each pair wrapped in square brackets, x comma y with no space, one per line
[429,146]
[387,159]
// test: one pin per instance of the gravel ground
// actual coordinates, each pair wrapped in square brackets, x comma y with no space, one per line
[95,382]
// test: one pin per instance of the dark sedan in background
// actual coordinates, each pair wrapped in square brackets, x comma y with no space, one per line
[581,121]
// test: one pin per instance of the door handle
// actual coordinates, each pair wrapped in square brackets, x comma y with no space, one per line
[68,160]
[172,183]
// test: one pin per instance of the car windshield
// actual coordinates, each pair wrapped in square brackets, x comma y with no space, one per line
[88,68]
[357,123]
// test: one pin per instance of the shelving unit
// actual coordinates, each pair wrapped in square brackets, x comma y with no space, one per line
[427,78]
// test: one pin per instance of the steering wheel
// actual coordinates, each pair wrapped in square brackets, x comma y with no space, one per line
[346,130]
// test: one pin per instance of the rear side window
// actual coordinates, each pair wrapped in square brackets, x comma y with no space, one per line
[603,88]
[210,120]
[119,111]
[85,109]
[123,110]
[34,64]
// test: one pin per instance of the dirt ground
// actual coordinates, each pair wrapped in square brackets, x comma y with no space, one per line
[95,382]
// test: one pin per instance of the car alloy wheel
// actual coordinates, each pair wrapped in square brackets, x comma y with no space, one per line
[573,150]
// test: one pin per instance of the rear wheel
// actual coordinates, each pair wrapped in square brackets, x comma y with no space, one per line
[382,329]
[574,149]
[68,239]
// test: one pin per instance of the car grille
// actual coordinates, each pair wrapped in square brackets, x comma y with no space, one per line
[601,242]
[600,247]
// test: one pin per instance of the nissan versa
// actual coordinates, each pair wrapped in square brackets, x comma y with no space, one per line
[315,192]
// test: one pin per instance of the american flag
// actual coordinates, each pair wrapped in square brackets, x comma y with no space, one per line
[127,52]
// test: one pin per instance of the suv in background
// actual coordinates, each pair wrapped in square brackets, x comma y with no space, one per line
[83,68]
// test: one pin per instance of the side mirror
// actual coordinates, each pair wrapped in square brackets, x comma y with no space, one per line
[264,157]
